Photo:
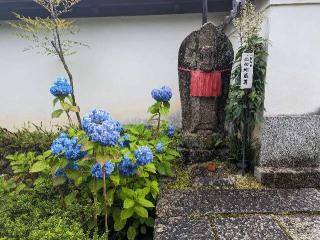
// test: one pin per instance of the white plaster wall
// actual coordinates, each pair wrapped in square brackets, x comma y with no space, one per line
[128,56]
[293,79]
[293,64]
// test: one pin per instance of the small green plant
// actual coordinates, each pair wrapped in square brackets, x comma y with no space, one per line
[246,106]
[57,228]
[38,214]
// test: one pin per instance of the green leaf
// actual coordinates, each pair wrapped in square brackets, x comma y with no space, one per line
[79,180]
[128,203]
[46,154]
[161,169]
[142,192]
[150,168]
[128,192]
[145,203]
[141,211]
[73,174]
[164,110]
[166,105]
[115,179]
[126,213]
[143,230]
[149,222]
[131,233]
[39,181]
[70,198]
[154,108]
[66,106]
[55,100]
[74,109]
[110,196]
[173,152]
[58,181]
[39,166]
[154,189]
[119,224]
[57,113]
[20,187]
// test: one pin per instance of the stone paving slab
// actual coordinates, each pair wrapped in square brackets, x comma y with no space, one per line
[182,228]
[248,228]
[301,227]
[174,203]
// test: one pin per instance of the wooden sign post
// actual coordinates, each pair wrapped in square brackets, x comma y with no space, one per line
[247,62]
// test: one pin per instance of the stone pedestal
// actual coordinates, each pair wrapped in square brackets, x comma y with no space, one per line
[290,152]
[206,50]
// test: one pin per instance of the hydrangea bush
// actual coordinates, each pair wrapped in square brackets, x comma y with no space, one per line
[115,165]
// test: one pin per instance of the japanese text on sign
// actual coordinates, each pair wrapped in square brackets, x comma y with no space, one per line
[247,62]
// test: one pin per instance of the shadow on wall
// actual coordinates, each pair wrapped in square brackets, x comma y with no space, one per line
[317,112]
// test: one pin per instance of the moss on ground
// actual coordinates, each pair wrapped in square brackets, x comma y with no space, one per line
[183,177]
[247,181]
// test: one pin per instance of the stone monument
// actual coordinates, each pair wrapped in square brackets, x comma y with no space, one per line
[204,65]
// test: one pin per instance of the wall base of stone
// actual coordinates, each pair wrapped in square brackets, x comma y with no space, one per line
[290,152]
[288,177]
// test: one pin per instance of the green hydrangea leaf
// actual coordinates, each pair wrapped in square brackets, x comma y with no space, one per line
[57,113]
[128,203]
[131,233]
[141,211]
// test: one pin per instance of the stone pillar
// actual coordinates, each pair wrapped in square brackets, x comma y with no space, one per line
[207,50]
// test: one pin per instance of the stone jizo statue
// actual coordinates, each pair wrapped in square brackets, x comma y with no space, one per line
[204,65]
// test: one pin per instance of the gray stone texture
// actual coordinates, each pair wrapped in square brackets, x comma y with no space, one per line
[290,141]
[290,152]
[207,49]
[301,227]
[248,228]
[182,228]
[174,203]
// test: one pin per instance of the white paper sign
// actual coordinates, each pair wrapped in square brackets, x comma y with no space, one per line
[247,62]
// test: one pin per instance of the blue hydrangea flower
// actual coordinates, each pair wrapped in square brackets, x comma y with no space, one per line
[126,167]
[170,131]
[163,94]
[73,166]
[101,128]
[109,168]
[96,170]
[60,173]
[143,155]
[119,127]
[73,150]
[125,143]
[61,87]
[159,147]
[68,146]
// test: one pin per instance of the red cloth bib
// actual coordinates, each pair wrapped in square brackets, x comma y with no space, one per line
[205,84]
